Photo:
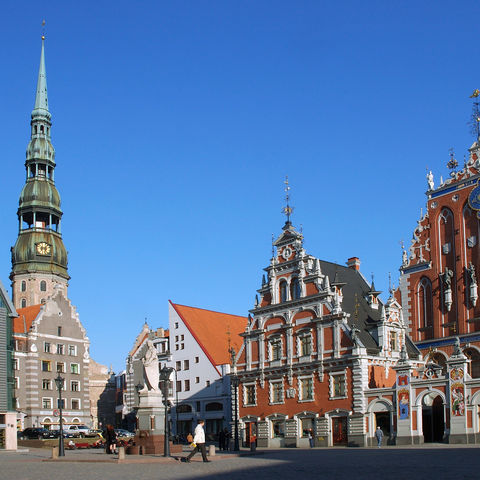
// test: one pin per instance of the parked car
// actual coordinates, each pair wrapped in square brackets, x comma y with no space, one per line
[95,432]
[36,433]
[77,430]
[124,433]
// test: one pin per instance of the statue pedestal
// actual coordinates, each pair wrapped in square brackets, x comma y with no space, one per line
[150,437]
[151,413]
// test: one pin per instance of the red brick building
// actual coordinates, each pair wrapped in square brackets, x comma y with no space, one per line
[317,341]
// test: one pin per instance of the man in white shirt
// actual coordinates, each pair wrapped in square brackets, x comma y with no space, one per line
[199,441]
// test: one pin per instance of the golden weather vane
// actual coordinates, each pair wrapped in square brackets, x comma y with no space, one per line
[475,118]
[287,210]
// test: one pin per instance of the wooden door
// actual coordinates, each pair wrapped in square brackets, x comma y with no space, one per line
[339,427]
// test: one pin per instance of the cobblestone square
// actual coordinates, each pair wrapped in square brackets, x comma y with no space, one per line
[436,462]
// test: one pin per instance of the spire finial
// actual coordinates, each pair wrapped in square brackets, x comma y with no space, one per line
[287,210]
[41,97]
[43,29]
[475,118]
[390,283]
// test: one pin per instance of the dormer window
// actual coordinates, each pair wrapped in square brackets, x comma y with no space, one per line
[295,291]
[283,291]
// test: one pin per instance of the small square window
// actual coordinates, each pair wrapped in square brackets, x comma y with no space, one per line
[75,368]
[60,367]
[75,386]
[207,383]
[46,347]
[186,365]
[182,346]
[75,404]
[176,346]
[187,385]
[60,349]
[183,338]
[46,366]
[47,403]
[197,359]
[178,365]
[176,338]
[46,384]
[179,385]
[72,350]
[197,379]
[176,324]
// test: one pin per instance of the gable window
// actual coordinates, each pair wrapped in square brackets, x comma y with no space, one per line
[59,331]
[393,341]
[197,359]
[305,344]
[283,291]
[276,348]
[295,290]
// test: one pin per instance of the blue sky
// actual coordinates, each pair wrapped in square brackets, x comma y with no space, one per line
[175,124]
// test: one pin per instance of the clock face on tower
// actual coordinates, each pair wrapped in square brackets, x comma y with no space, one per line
[43,248]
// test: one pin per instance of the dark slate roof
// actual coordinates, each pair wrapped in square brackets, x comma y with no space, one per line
[367,318]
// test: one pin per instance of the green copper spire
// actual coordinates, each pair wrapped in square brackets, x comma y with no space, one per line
[41,99]
[39,257]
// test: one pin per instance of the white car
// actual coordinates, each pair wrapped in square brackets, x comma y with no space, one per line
[77,430]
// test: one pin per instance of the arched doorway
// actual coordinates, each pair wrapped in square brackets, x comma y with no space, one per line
[433,418]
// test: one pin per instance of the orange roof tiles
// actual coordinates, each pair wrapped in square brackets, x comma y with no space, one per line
[210,329]
[26,316]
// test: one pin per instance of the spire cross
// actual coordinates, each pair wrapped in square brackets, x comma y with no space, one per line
[287,210]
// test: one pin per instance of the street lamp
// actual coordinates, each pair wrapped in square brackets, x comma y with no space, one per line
[59,382]
[235,382]
[165,373]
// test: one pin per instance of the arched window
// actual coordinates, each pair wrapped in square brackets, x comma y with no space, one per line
[283,291]
[425,305]
[43,286]
[440,360]
[24,286]
[24,302]
[474,365]
[184,408]
[295,289]
[213,407]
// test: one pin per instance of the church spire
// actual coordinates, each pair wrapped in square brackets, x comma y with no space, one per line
[41,98]
[39,257]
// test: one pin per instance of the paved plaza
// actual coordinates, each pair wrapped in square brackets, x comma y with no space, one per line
[435,462]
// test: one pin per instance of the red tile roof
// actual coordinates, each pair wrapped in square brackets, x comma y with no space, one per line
[210,329]
[26,316]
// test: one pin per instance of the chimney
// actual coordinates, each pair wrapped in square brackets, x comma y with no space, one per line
[354,262]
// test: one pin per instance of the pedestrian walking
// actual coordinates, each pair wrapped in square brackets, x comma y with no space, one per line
[199,442]
[379,436]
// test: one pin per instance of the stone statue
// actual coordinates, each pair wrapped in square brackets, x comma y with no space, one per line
[431,185]
[447,288]
[447,278]
[150,367]
[404,258]
[456,347]
[472,284]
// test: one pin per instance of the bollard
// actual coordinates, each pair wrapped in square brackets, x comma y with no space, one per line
[54,453]
[121,453]
[211,450]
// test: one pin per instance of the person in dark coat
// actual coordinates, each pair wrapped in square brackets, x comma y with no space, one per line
[228,436]
[110,439]
[221,440]
[379,436]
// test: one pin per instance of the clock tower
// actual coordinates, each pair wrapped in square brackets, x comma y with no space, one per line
[39,258]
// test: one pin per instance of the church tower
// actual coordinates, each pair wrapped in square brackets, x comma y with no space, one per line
[39,258]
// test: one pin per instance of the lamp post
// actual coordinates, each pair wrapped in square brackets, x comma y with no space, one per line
[59,382]
[165,373]
[235,382]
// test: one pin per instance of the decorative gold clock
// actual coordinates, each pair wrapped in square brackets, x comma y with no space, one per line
[43,248]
